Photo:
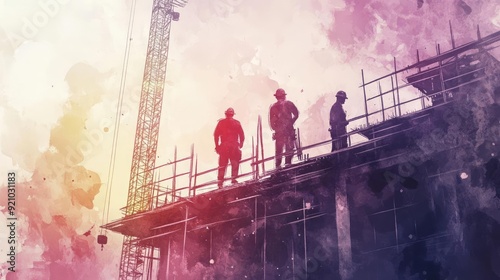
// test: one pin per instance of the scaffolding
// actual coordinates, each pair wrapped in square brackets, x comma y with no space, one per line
[446,75]
[433,82]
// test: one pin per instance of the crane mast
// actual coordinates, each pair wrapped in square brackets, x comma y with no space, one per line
[140,190]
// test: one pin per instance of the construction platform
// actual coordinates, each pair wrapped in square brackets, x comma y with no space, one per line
[401,205]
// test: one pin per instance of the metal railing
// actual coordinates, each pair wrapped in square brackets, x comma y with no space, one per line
[196,182]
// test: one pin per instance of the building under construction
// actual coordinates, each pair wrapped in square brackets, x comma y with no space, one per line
[407,203]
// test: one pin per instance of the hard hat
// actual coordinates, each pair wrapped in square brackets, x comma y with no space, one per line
[280,92]
[342,94]
[229,111]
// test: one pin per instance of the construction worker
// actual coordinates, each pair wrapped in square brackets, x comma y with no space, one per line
[231,137]
[338,122]
[282,116]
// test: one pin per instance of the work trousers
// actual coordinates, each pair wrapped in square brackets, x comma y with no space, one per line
[338,141]
[228,153]
[285,141]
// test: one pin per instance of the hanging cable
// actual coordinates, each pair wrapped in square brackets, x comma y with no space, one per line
[111,167]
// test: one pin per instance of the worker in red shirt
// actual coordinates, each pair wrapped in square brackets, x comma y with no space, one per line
[229,138]
[282,116]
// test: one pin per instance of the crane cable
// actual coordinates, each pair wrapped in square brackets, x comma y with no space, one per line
[119,106]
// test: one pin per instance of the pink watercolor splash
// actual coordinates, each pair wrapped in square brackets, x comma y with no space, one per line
[55,209]
[376,30]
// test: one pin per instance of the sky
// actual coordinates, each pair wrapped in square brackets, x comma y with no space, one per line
[61,65]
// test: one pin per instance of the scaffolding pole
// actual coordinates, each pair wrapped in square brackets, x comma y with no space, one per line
[364,93]
[397,85]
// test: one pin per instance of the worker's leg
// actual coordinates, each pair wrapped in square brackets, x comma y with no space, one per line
[223,160]
[280,143]
[289,145]
[343,138]
[343,142]
[334,139]
[235,164]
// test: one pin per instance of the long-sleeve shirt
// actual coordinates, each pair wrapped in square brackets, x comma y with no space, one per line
[338,120]
[230,132]
[282,116]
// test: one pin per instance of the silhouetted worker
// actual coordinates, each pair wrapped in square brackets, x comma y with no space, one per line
[338,122]
[282,116]
[231,137]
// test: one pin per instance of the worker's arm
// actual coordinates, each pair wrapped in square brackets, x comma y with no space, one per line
[295,112]
[241,135]
[273,117]
[343,118]
[332,116]
[217,135]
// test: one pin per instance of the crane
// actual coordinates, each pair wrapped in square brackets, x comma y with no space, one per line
[132,261]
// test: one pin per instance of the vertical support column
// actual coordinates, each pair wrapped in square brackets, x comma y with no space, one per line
[265,238]
[257,149]
[441,77]
[305,234]
[211,261]
[150,261]
[156,191]
[185,235]
[418,60]
[397,85]
[299,148]
[261,145]
[255,221]
[451,34]
[343,227]
[293,259]
[395,223]
[364,93]
[253,160]
[257,159]
[422,101]
[195,175]
[164,266]
[381,100]
[173,194]
[191,161]
[453,203]
[393,97]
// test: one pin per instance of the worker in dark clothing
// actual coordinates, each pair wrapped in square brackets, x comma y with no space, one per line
[338,122]
[282,116]
[231,137]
